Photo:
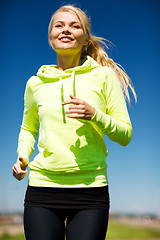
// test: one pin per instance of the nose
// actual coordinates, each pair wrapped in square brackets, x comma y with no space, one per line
[66,29]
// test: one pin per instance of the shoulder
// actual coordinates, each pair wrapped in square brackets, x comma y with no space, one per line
[107,71]
[105,74]
[33,81]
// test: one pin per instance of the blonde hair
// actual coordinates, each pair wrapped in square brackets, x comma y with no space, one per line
[95,49]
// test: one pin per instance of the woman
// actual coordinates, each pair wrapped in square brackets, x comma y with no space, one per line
[71,106]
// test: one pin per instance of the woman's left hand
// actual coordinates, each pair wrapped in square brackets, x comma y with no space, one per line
[79,109]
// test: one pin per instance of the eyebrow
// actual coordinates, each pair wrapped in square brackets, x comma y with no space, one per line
[73,22]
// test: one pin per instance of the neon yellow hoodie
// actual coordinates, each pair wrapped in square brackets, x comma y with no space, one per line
[72,152]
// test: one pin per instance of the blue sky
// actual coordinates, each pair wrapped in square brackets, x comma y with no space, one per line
[133,27]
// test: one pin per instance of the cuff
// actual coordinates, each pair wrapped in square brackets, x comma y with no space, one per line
[101,120]
[23,152]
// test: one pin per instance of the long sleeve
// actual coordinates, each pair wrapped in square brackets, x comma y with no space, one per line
[30,124]
[115,123]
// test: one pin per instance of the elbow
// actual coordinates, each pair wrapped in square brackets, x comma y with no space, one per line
[121,135]
[127,136]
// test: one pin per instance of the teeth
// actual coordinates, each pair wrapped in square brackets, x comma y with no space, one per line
[65,38]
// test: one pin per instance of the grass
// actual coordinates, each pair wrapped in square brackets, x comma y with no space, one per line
[119,230]
[14,237]
[115,231]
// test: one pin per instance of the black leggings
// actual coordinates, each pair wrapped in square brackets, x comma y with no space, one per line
[49,224]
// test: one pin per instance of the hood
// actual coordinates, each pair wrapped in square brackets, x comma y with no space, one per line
[50,73]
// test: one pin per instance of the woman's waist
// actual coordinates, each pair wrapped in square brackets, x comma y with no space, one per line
[69,162]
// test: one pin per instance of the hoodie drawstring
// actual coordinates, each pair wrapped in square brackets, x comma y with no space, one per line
[73,83]
[62,99]
[62,92]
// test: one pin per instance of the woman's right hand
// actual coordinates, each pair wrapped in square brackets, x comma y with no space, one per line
[19,169]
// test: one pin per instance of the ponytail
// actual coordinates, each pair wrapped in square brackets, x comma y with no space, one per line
[95,50]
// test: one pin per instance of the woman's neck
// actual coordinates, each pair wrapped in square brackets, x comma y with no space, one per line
[66,62]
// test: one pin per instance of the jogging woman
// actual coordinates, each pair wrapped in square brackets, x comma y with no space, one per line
[71,106]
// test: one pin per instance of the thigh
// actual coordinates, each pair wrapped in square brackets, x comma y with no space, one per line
[90,224]
[42,223]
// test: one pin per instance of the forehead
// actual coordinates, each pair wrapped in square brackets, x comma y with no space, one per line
[66,16]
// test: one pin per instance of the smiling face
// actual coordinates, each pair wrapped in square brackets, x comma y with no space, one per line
[67,35]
